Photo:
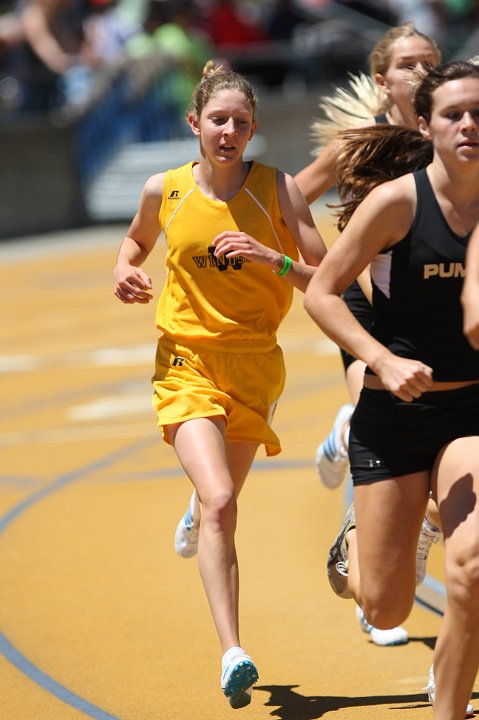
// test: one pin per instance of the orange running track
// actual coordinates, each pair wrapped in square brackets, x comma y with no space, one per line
[98,616]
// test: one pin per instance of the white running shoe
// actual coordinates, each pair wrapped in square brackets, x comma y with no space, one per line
[394,636]
[186,536]
[427,537]
[237,680]
[332,456]
[431,693]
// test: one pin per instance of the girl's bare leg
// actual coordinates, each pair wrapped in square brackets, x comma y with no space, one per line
[456,657]
[217,470]
[382,549]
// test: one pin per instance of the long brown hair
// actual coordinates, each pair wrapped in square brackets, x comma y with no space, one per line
[372,155]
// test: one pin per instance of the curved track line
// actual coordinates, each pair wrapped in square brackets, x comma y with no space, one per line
[47,683]
[7,649]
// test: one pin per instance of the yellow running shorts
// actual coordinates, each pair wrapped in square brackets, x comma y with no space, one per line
[242,384]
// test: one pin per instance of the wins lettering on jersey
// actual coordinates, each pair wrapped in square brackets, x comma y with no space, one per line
[174,195]
[444,270]
[220,263]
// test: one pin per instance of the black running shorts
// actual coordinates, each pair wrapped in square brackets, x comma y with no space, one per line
[390,438]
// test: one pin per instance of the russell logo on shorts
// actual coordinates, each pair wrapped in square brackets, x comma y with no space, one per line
[178,361]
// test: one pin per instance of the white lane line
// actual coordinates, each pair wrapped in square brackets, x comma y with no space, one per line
[88,433]
[128,355]
[18,363]
[112,406]
[138,355]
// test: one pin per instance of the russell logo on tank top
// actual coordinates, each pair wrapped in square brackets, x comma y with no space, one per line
[174,195]
[444,270]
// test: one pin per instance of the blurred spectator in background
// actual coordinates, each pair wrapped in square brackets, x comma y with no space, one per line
[11,32]
[375,9]
[134,10]
[60,47]
[108,30]
[462,17]
[171,28]
[144,43]
[229,25]
[11,35]
[283,20]
[428,16]
[268,44]
[52,53]
[282,23]
[182,38]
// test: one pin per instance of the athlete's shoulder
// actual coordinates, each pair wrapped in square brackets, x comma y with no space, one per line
[178,183]
[391,207]
[154,185]
[398,191]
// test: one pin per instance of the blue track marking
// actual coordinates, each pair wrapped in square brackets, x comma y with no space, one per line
[431,594]
[7,649]
[34,673]
[46,682]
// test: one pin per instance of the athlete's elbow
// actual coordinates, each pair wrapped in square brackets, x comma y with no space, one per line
[312,301]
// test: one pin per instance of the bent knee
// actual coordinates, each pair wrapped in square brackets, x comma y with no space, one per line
[387,611]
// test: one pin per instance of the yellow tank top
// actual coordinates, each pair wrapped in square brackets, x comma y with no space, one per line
[216,299]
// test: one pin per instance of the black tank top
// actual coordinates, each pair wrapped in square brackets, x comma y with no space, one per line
[418,312]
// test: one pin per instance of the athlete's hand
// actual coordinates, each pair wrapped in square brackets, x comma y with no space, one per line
[132,284]
[407,379]
[232,244]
